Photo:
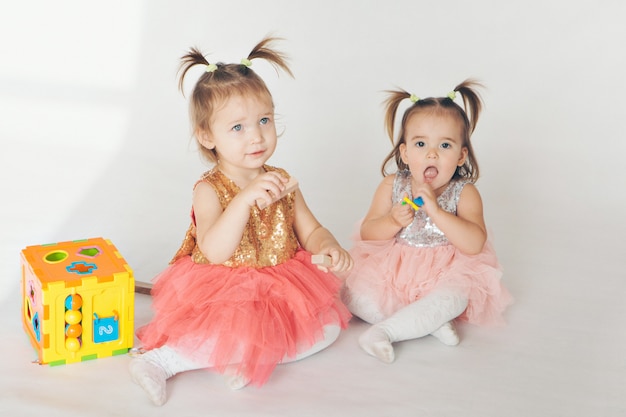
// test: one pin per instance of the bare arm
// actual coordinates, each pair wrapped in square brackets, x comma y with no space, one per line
[384,219]
[219,232]
[316,239]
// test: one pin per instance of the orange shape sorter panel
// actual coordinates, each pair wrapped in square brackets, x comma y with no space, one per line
[78,300]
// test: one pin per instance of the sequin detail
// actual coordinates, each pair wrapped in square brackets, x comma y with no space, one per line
[422,232]
[268,238]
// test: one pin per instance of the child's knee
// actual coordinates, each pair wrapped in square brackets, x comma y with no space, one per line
[331,332]
[363,307]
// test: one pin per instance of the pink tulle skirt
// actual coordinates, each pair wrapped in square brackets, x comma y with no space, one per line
[394,275]
[252,318]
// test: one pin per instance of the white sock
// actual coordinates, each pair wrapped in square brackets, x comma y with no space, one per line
[236,381]
[151,377]
[377,342]
[233,377]
[152,369]
[447,334]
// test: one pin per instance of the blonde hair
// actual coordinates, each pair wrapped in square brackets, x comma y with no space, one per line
[439,105]
[221,81]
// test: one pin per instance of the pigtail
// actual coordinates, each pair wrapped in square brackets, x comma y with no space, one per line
[471,101]
[264,50]
[392,103]
[473,106]
[394,98]
[192,58]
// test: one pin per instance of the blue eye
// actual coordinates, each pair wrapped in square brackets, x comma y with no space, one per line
[237,128]
[446,145]
[420,144]
[264,120]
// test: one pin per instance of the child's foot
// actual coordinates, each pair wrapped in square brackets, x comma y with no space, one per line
[376,342]
[151,377]
[236,382]
[235,378]
[447,334]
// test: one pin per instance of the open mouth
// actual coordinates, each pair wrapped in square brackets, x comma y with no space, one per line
[430,173]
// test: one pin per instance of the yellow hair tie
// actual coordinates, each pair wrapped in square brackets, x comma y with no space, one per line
[246,62]
[414,98]
[211,68]
[452,95]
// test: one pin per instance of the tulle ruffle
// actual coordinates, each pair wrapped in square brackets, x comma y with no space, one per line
[252,318]
[394,275]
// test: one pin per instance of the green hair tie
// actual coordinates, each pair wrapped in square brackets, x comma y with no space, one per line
[211,68]
[452,95]
[414,98]
[246,62]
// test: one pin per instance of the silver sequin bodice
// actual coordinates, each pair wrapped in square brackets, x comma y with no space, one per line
[422,232]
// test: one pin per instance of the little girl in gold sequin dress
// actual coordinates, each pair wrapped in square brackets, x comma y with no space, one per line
[417,269]
[241,295]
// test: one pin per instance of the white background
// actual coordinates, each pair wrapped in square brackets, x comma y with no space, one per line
[96,142]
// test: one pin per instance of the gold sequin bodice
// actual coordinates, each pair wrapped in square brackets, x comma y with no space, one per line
[268,238]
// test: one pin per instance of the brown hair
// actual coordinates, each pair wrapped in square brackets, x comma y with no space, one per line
[441,105]
[223,81]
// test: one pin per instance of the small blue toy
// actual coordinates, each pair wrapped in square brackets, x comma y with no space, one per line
[416,203]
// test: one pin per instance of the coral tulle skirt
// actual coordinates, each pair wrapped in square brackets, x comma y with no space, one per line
[393,275]
[252,318]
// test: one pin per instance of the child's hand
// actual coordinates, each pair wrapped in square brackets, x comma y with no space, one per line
[341,261]
[402,214]
[428,196]
[265,187]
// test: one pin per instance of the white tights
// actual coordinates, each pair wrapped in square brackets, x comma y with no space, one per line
[432,315]
[151,370]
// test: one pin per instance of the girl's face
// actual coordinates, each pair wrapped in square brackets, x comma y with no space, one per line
[242,133]
[433,149]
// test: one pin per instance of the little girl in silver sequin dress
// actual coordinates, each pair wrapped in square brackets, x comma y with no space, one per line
[417,269]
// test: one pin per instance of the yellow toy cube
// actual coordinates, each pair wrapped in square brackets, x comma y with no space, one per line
[78,300]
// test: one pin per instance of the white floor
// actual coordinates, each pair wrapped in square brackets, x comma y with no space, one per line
[562,354]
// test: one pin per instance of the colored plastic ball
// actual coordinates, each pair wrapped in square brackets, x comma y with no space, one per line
[73,330]
[77,302]
[72,344]
[73,302]
[73,317]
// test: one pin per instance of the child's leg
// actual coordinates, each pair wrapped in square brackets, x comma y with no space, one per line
[331,333]
[423,317]
[153,368]
[362,306]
